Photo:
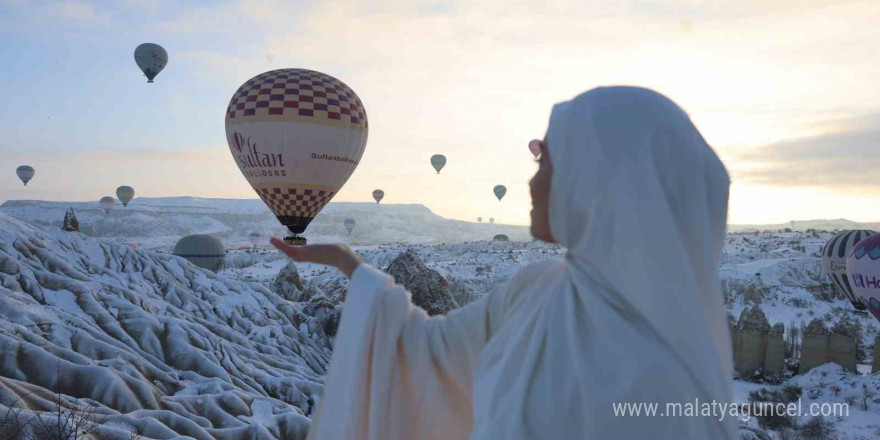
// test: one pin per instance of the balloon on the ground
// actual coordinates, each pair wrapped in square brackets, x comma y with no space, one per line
[125,194]
[378,195]
[25,173]
[535,147]
[492,220]
[254,238]
[834,255]
[863,267]
[500,237]
[349,224]
[438,161]
[297,136]
[151,58]
[500,191]
[107,203]
[480,219]
[205,251]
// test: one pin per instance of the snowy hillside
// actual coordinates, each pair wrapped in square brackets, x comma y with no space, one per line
[166,349]
[156,223]
[156,344]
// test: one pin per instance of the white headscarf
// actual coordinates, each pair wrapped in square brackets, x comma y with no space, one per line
[640,201]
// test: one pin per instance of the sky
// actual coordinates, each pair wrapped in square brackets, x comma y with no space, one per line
[785,91]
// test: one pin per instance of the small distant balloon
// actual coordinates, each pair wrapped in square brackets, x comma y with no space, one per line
[151,58]
[25,173]
[125,193]
[107,204]
[500,237]
[270,56]
[492,220]
[438,161]
[378,195]
[349,224]
[500,191]
[535,147]
[254,238]
[686,25]
[480,219]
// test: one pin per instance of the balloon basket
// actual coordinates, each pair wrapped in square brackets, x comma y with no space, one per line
[295,240]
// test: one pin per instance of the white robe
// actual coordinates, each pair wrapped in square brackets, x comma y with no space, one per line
[547,355]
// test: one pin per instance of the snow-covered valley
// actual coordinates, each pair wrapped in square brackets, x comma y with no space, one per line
[166,350]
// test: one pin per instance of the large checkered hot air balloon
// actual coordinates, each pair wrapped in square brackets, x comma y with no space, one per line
[834,261]
[297,136]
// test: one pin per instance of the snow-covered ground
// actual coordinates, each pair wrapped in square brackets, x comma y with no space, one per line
[170,349]
[157,223]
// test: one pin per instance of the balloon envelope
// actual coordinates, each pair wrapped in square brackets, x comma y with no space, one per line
[254,238]
[108,203]
[151,58]
[500,237]
[205,251]
[438,161]
[378,195]
[535,147]
[480,219]
[297,136]
[863,266]
[834,257]
[125,194]
[500,191]
[25,173]
[349,224]
[491,220]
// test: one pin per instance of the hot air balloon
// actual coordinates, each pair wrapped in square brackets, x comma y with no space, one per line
[151,58]
[535,147]
[125,194]
[297,136]
[25,173]
[205,251]
[500,191]
[492,220]
[349,224]
[480,219]
[254,238]
[378,195]
[500,237]
[108,203]
[863,267]
[270,56]
[834,261]
[438,161]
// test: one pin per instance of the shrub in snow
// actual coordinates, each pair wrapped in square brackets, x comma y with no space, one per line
[817,428]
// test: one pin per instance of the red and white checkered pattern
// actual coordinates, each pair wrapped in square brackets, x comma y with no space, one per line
[295,202]
[297,95]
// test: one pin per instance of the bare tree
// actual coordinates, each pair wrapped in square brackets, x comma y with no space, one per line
[12,427]
[73,420]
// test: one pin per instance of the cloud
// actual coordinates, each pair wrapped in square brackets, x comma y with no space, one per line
[79,11]
[846,156]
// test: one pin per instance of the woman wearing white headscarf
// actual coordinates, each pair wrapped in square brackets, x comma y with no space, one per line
[633,314]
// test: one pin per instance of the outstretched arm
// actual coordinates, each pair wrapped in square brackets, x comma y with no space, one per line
[397,373]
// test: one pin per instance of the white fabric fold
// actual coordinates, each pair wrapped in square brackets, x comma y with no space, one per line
[633,314]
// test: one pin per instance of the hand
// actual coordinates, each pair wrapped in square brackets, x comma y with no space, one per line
[336,255]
